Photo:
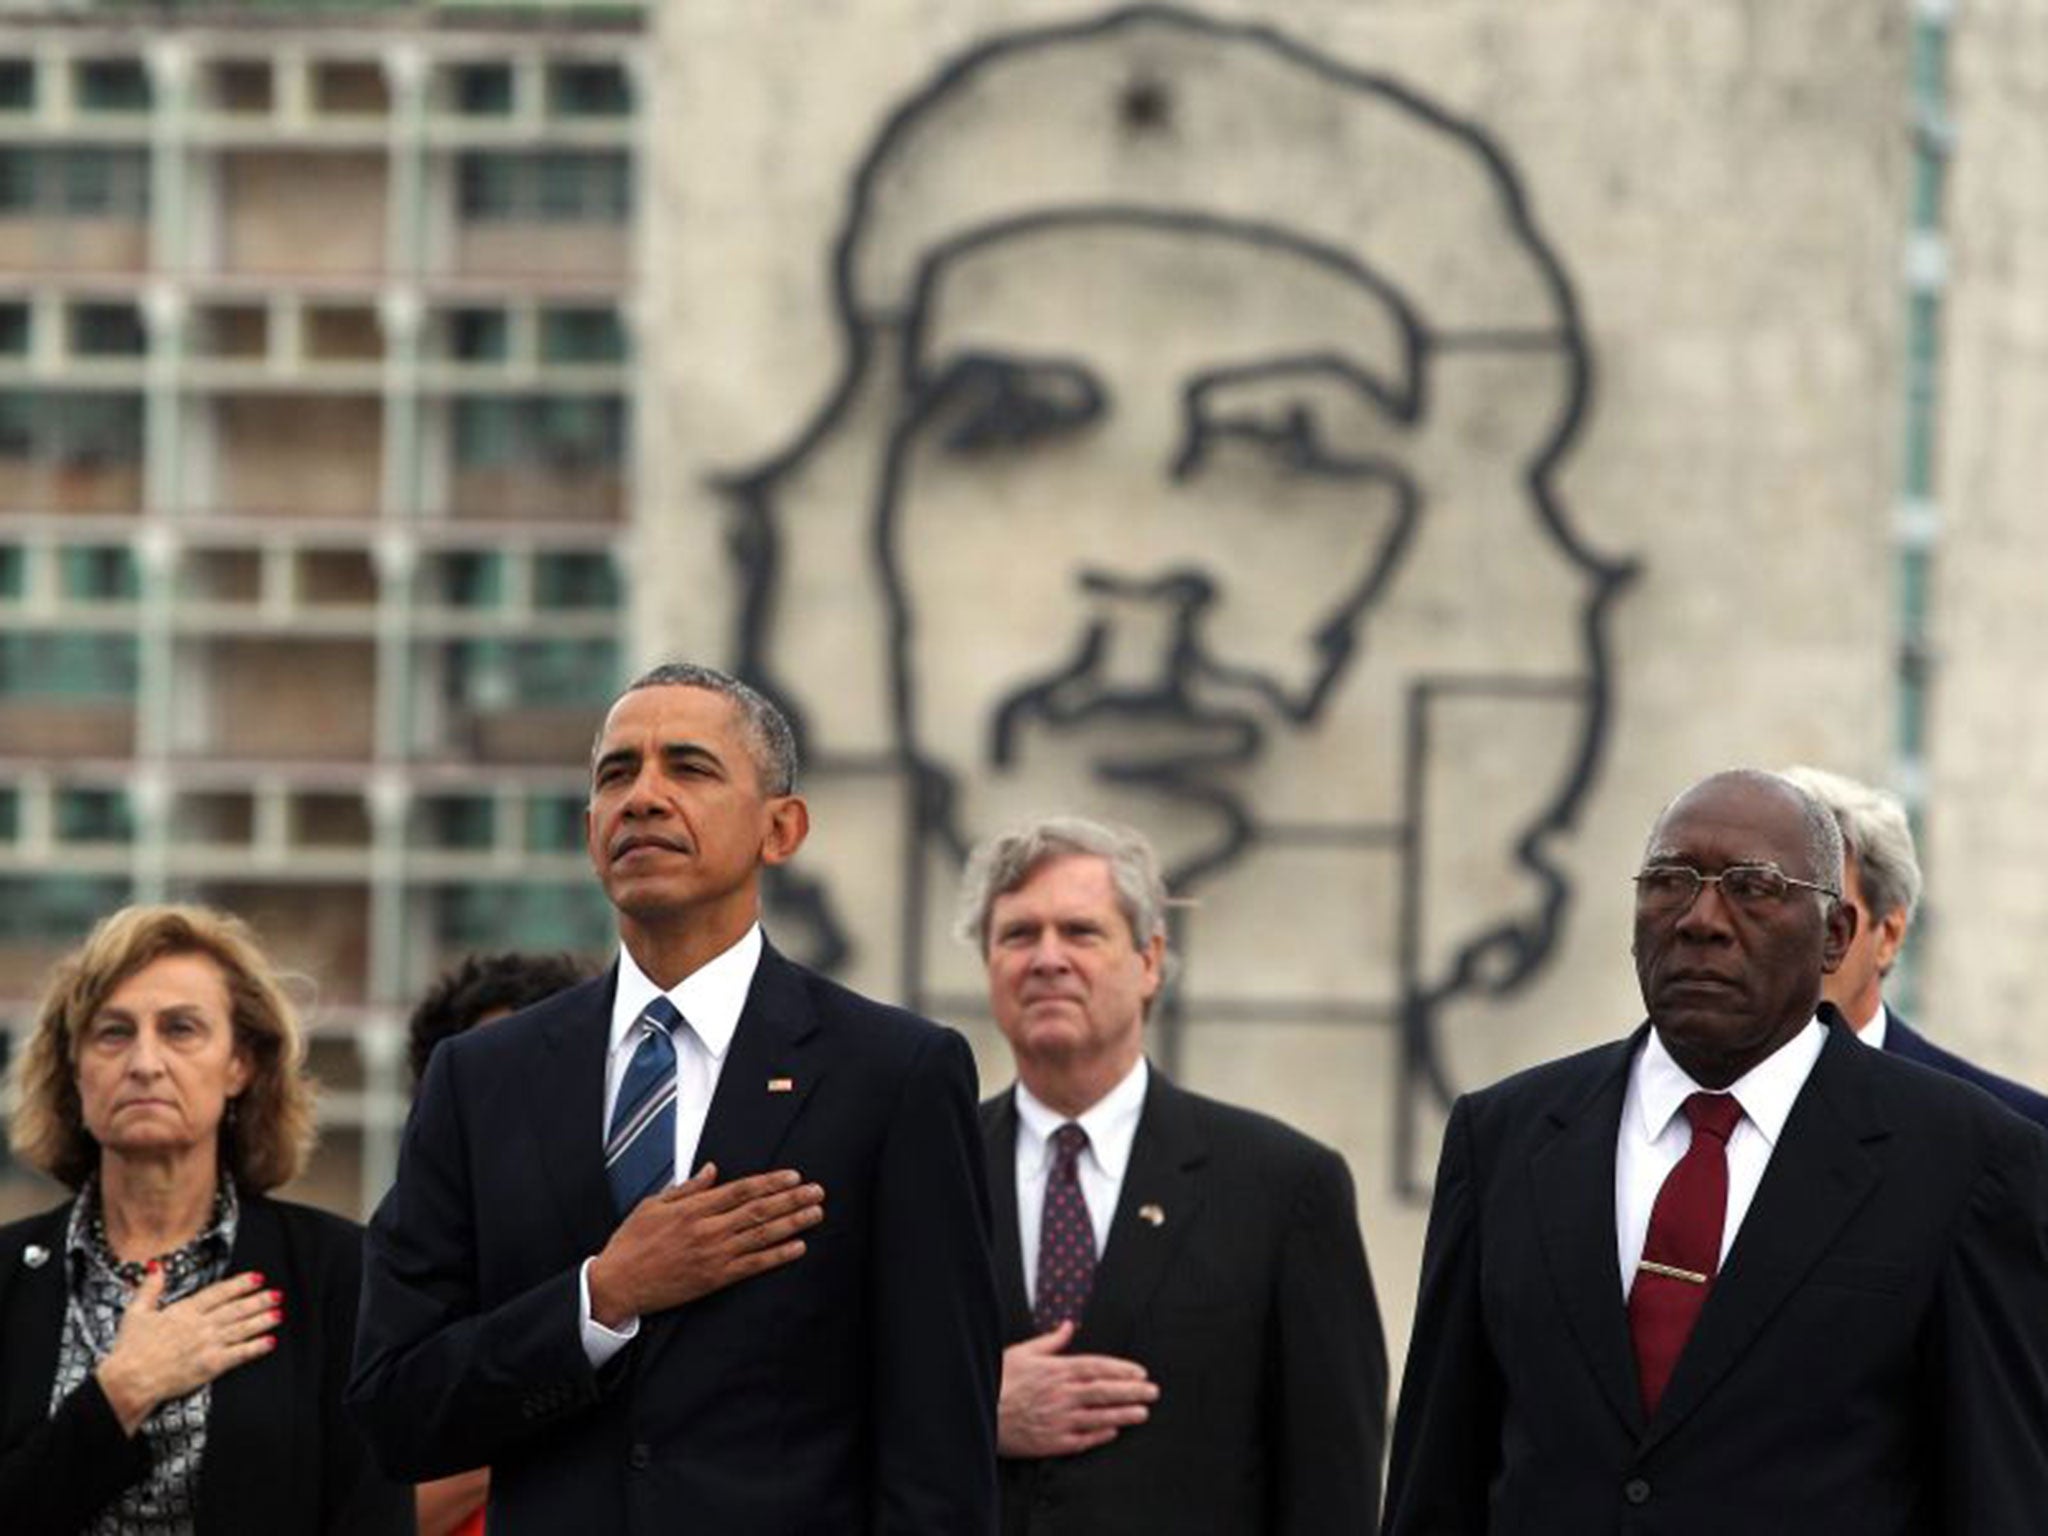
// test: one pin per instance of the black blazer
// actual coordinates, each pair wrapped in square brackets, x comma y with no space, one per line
[1903,1041]
[851,1391]
[280,1456]
[1873,1360]
[1250,1304]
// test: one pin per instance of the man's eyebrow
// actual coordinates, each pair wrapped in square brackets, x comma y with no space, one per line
[691,751]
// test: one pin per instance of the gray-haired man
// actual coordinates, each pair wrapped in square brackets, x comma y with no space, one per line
[1193,1342]
[1881,880]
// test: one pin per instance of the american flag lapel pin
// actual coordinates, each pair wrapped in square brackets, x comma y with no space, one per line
[1152,1215]
[782,1085]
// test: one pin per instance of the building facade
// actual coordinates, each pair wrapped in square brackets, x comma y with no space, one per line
[315,426]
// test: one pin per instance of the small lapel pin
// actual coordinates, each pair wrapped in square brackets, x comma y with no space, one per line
[782,1085]
[35,1255]
[1151,1215]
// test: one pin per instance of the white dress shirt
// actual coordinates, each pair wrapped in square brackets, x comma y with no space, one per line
[1655,1133]
[1872,1033]
[710,999]
[1112,1125]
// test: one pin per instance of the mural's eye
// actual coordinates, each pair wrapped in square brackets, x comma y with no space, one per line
[984,402]
[1310,416]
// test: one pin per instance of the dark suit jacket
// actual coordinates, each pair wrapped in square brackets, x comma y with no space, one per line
[1872,1361]
[280,1455]
[851,1391]
[1902,1040]
[1250,1305]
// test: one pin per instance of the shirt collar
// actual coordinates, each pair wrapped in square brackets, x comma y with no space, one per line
[710,998]
[1872,1034]
[1111,1122]
[1766,1091]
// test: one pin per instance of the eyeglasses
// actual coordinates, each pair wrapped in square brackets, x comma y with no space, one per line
[1675,887]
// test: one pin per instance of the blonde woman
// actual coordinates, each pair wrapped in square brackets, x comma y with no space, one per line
[174,1342]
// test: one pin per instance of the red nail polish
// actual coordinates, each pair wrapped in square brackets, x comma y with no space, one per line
[150,1267]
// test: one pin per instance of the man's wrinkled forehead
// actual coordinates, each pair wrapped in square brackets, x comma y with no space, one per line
[1741,817]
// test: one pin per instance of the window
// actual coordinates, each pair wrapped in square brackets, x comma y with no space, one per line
[112,85]
[79,180]
[94,816]
[14,329]
[589,90]
[13,572]
[242,86]
[481,90]
[104,573]
[462,822]
[554,824]
[575,580]
[538,917]
[582,336]
[580,188]
[56,907]
[548,674]
[18,179]
[108,330]
[472,579]
[556,187]
[81,428]
[102,183]
[17,85]
[564,433]
[351,88]
[80,668]
[479,335]
[10,813]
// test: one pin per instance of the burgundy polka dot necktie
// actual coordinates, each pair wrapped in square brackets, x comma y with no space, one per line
[1066,1237]
[1682,1251]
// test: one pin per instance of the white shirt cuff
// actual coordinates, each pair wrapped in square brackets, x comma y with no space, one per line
[599,1342]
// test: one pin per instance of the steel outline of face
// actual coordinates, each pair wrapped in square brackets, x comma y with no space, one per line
[1323,457]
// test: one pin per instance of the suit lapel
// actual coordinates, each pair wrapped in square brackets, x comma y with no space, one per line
[1572,1179]
[999,1141]
[770,1070]
[1823,1168]
[1160,1203]
[567,1109]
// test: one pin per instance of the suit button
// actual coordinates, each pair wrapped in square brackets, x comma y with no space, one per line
[639,1457]
[1636,1490]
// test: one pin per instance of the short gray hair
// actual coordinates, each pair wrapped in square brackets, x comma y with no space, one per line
[1876,833]
[770,740]
[1004,862]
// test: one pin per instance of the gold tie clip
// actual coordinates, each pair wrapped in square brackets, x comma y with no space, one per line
[1672,1272]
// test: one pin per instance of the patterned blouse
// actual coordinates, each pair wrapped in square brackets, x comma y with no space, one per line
[164,1503]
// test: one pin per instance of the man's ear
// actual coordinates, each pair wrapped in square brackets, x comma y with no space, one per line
[1840,933]
[789,823]
[1888,938]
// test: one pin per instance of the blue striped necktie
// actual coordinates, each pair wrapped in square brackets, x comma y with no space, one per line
[640,1151]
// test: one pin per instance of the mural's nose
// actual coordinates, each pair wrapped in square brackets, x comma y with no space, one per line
[1146,625]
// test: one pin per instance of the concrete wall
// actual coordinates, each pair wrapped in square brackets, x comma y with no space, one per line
[1650,441]
[1986,843]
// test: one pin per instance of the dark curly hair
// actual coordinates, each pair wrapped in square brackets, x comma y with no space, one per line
[480,987]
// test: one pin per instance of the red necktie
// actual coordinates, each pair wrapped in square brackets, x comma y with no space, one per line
[1066,1237]
[1682,1252]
